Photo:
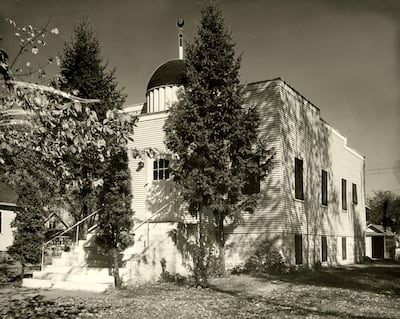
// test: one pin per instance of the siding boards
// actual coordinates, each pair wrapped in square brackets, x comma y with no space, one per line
[293,127]
[265,96]
[305,135]
[148,133]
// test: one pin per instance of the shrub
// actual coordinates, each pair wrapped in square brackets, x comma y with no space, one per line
[175,278]
[265,259]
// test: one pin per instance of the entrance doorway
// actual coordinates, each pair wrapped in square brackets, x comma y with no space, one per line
[378,247]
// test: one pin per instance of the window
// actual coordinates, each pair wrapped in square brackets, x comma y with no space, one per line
[1,217]
[298,249]
[354,192]
[344,248]
[252,184]
[324,249]
[324,188]
[344,194]
[160,169]
[298,178]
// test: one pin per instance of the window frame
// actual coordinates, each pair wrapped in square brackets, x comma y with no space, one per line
[324,249]
[298,178]
[354,196]
[344,248]
[252,184]
[298,249]
[161,172]
[324,188]
[344,194]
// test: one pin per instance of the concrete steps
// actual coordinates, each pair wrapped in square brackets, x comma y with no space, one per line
[83,270]
[87,278]
[74,270]
[66,285]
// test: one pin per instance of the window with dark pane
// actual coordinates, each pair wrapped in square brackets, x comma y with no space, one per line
[354,192]
[324,188]
[298,176]
[344,194]
[344,248]
[252,183]
[160,169]
[298,248]
[324,249]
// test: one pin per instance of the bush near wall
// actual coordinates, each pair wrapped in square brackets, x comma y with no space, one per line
[265,259]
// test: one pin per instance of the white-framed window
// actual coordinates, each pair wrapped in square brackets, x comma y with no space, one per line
[160,169]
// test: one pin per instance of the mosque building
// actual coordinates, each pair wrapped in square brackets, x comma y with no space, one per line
[311,204]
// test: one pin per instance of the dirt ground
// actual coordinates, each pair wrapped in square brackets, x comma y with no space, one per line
[359,291]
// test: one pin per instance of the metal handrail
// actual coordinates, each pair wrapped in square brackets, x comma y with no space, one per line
[65,231]
[151,217]
[146,221]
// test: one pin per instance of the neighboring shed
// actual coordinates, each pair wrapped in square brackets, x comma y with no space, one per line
[8,206]
[380,243]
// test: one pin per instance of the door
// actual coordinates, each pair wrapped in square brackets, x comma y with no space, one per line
[377,247]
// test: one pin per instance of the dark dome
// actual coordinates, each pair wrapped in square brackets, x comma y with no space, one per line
[171,72]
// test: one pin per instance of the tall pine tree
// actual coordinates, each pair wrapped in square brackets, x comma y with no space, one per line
[84,72]
[213,136]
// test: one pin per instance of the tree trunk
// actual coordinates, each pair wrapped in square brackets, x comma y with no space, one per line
[117,279]
[221,243]
[200,271]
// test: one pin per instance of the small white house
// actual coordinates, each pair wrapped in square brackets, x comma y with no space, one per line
[380,243]
[8,200]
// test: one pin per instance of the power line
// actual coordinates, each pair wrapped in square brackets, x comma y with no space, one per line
[383,168]
[379,173]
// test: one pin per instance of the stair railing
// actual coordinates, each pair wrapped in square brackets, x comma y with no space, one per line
[76,225]
[145,222]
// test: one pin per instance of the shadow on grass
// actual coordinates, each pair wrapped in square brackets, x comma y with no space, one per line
[381,278]
[376,277]
[293,309]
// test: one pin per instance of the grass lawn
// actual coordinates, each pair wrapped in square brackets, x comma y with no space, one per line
[360,291]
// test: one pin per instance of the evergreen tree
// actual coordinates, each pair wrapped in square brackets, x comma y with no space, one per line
[213,136]
[82,70]
[30,230]
[115,221]
[84,73]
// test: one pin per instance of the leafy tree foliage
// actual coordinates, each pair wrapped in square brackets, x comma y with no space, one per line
[31,178]
[385,209]
[60,147]
[214,137]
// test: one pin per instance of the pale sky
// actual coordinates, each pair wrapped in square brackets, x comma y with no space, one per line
[342,55]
